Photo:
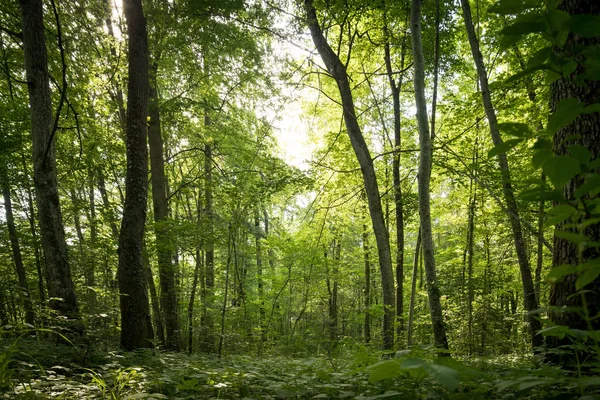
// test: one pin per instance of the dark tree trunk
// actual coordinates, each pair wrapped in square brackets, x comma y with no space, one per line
[529,299]
[168,295]
[583,131]
[60,285]
[16,251]
[338,71]
[136,326]
[435,305]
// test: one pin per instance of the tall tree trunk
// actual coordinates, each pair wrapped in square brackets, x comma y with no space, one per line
[435,305]
[259,278]
[540,249]
[367,291]
[168,295]
[470,287]
[413,292]
[136,326]
[60,285]
[159,328]
[509,197]
[338,71]
[209,265]
[190,310]
[42,272]
[224,308]
[108,212]
[398,200]
[583,131]
[16,251]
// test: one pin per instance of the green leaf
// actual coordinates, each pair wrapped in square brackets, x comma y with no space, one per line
[531,383]
[566,112]
[541,194]
[559,331]
[594,164]
[589,381]
[507,7]
[585,25]
[542,143]
[448,377]
[539,57]
[541,156]
[528,71]
[590,187]
[383,370]
[524,25]
[582,154]
[559,214]
[587,277]
[592,108]
[503,147]
[561,169]
[573,237]
[515,129]
[560,271]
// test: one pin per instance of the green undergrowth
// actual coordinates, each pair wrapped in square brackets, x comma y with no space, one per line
[35,369]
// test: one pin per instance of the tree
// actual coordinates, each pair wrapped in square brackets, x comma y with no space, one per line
[581,134]
[338,71]
[61,290]
[509,197]
[136,326]
[435,306]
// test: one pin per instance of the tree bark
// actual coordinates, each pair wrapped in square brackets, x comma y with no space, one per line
[136,326]
[529,299]
[413,292]
[168,294]
[435,305]
[16,251]
[60,285]
[367,256]
[338,72]
[583,131]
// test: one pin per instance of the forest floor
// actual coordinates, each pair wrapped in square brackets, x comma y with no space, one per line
[35,369]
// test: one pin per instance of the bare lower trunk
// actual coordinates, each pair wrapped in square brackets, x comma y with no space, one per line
[413,291]
[435,305]
[60,285]
[136,326]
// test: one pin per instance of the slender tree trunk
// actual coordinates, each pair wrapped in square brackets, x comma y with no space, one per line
[398,200]
[435,305]
[367,291]
[42,272]
[509,198]
[338,71]
[159,329]
[93,229]
[108,212]
[259,279]
[470,287]
[224,308]
[540,249]
[16,252]
[168,294]
[190,310]
[413,291]
[136,326]
[583,131]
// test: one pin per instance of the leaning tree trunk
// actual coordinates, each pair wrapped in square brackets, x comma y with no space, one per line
[583,131]
[435,305]
[60,285]
[136,325]
[166,269]
[529,299]
[338,71]
[17,258]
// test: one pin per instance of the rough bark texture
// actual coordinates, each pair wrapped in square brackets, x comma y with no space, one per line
[435,305]
[60,285]
[584,131]
[529,299]
[17,258]
[136,327]
[338,72]
[166,269]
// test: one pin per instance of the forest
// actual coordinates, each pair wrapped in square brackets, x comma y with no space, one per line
[285,199]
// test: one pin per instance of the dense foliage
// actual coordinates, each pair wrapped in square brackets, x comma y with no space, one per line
[440,240]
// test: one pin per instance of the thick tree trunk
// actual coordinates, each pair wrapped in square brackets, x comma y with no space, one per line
[136,326]
[338,71]
[435,305]
[166,269]
[60,284]
[529,299]
[583,131]
[16,251]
